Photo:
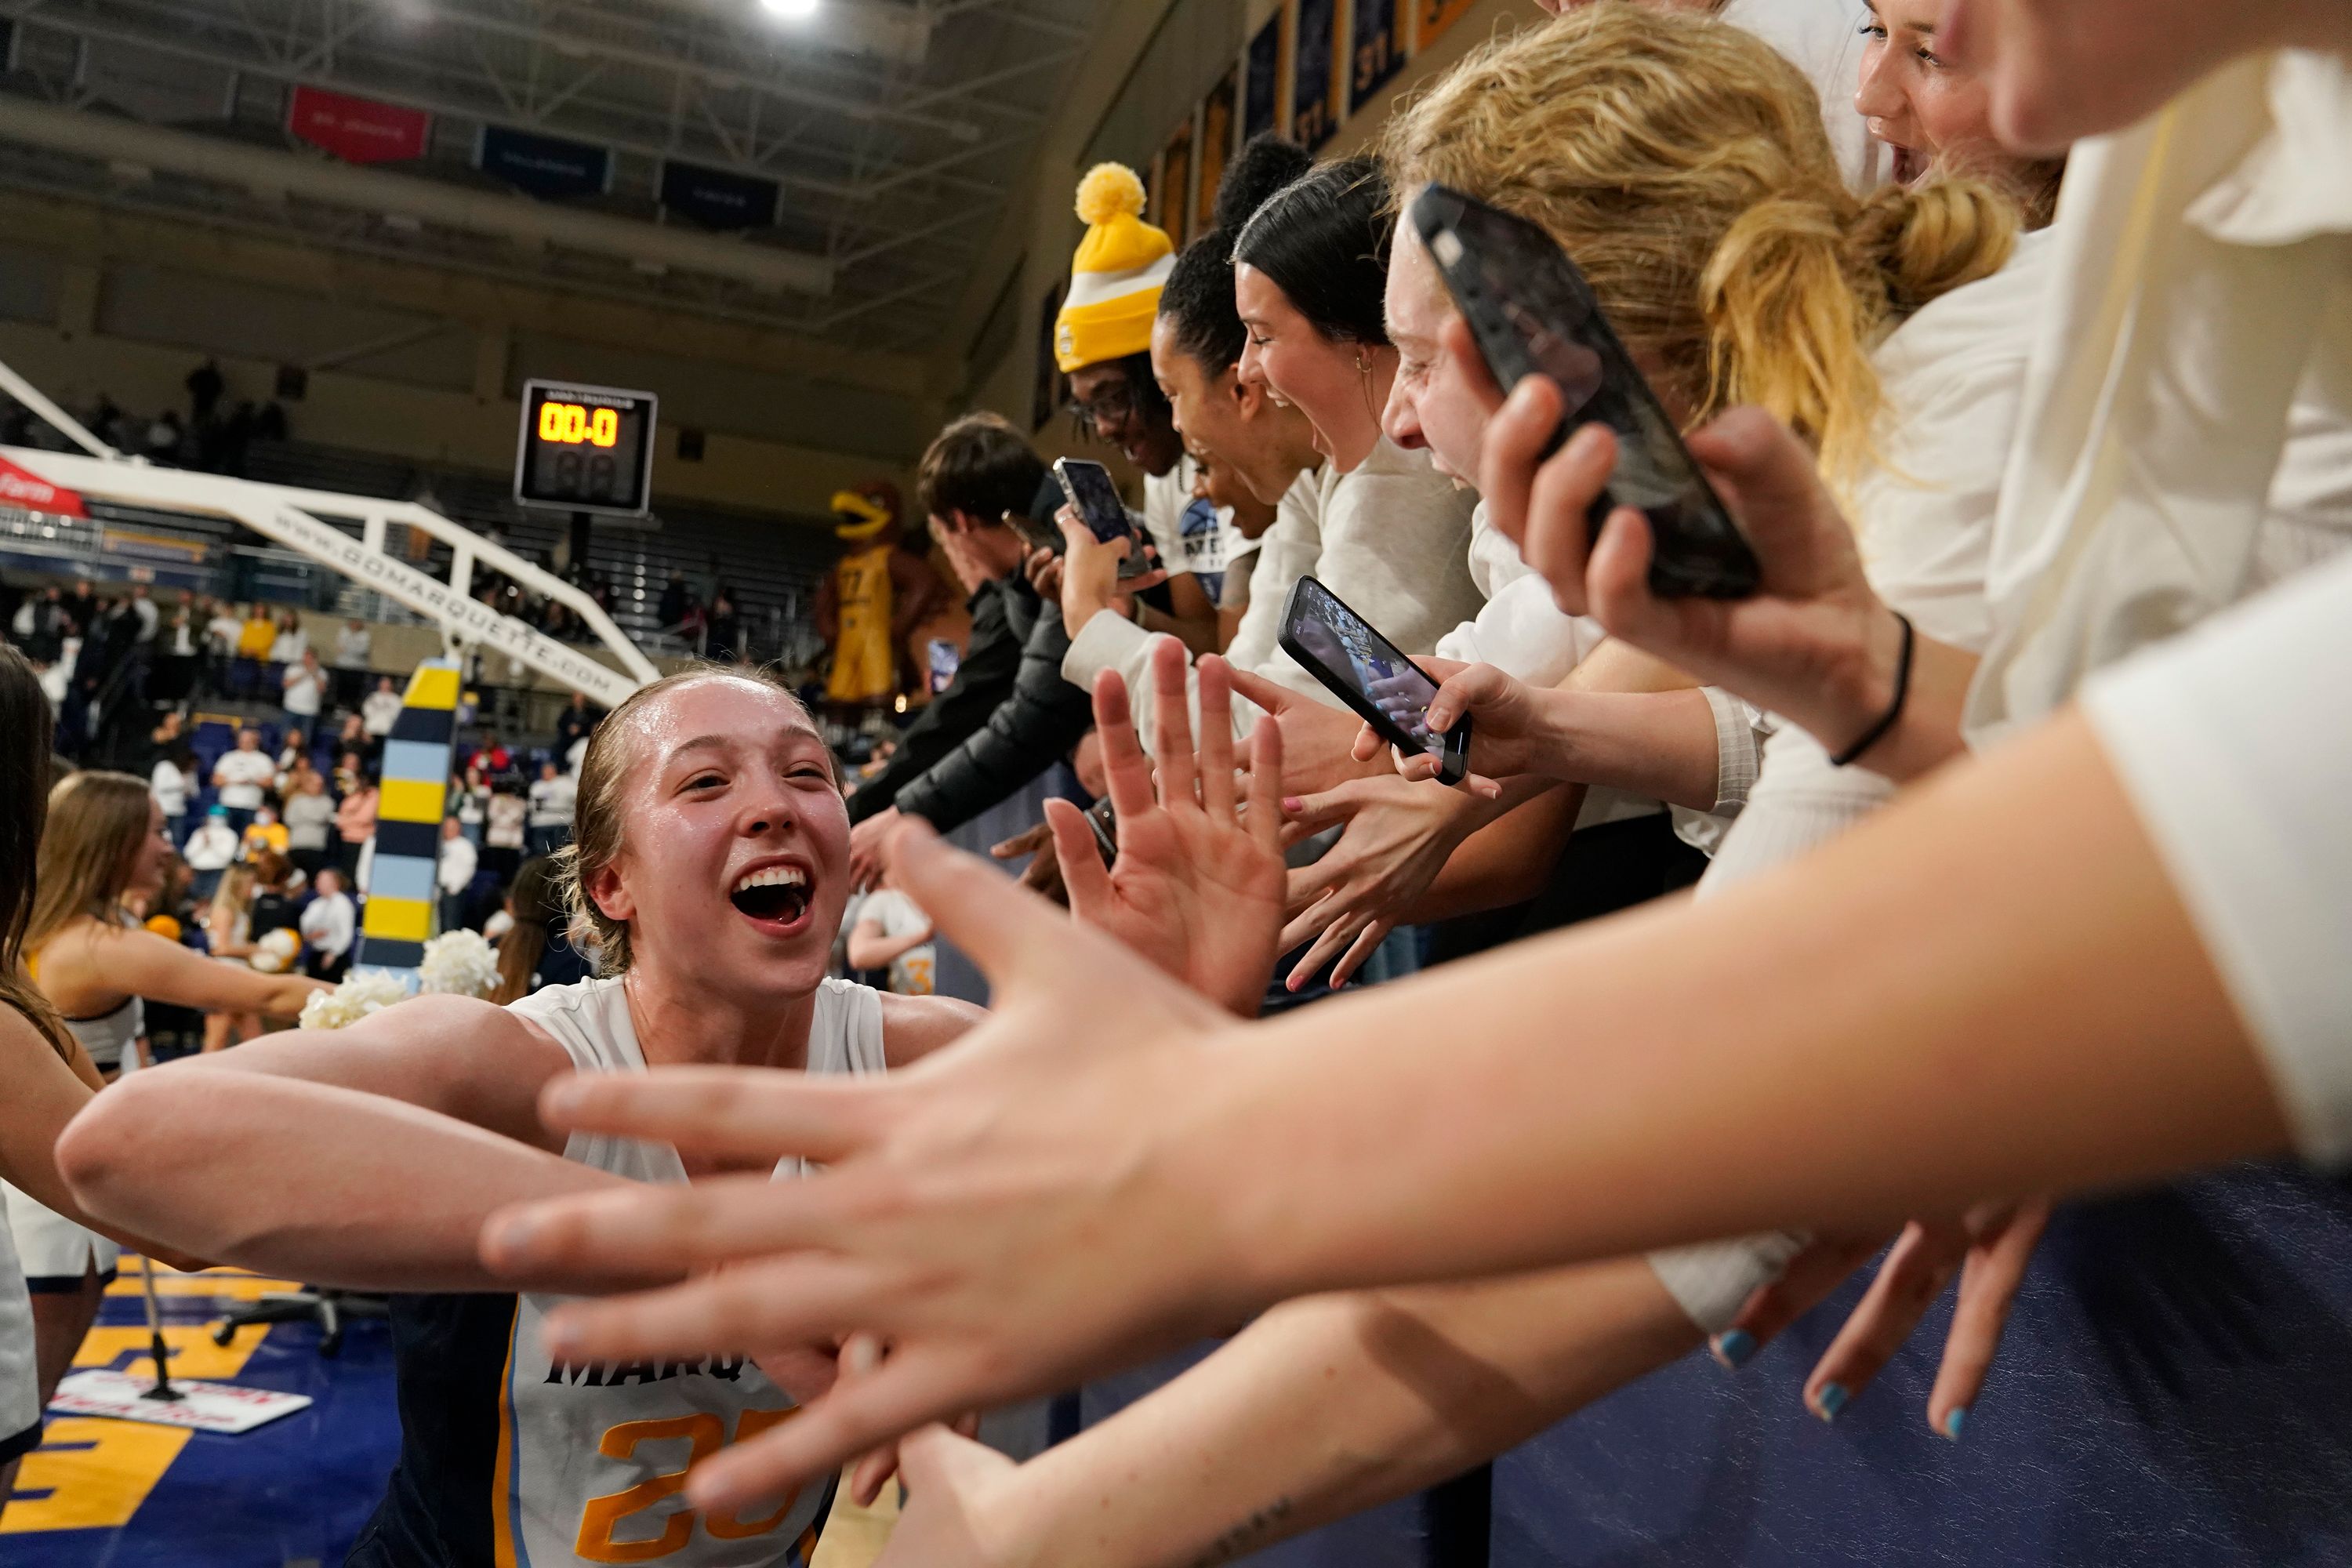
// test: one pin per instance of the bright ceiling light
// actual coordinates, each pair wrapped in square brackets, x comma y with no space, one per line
[790,10]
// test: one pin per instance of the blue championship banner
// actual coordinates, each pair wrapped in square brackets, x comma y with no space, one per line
[1378,53]
[549,167]
[1314,114]
[717,198]
[1262,85]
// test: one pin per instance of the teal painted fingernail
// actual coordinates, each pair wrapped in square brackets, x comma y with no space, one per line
[1955,1421]
[1734,1346]
[1830,1400]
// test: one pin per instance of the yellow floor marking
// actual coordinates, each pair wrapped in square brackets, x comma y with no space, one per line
[94,1488]
[194,1355]
[101,1486]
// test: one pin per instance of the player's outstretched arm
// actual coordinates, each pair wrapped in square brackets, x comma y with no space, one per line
[365,1157]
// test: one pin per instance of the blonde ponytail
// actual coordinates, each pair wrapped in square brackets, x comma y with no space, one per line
[1682,164]
[1925,241]
[1787,319]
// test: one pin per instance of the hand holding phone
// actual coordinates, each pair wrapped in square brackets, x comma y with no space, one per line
[1532,313]
[1096,500]
[1372,675]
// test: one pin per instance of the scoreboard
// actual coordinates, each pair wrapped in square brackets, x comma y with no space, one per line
[585,448]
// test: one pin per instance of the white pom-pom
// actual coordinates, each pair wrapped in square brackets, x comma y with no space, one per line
[274,953]
[356,998]
[459,963]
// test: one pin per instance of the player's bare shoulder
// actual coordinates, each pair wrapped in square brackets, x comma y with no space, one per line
[915,1026]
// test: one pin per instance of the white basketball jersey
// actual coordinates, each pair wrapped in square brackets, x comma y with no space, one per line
[591,1459]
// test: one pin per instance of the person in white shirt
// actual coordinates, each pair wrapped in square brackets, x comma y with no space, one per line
[381,710]
[143,607]
[304,686]
[892,932]
[355,646]
[552,796]
[453,871]
[310,818]
[170,783]
[291,642]
[210,850]
[328,925]
[241,775]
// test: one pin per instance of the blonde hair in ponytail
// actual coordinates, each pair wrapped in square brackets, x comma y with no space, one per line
[1683,165]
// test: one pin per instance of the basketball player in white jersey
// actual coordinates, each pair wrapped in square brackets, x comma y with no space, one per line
[712,865]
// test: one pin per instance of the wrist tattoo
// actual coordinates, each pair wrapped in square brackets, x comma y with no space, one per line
[1246,1535]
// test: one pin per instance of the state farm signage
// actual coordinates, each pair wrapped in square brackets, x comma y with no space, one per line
[22,487]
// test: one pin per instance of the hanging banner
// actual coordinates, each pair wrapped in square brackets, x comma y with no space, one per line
[717,198]
[1216,147]
[1434,16]
[357,130]
[1262,89]
[1314,114]
[546,166]
[23,488]
[1378,53]
[1176,185]
[150,85]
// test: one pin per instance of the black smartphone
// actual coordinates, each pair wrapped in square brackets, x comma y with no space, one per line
[1035,534]
[1532,314]
[1366,671]
[1088,485]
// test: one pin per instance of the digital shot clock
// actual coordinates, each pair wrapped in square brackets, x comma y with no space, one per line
[585,448]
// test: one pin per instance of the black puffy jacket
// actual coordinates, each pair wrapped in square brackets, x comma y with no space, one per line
[1037,722]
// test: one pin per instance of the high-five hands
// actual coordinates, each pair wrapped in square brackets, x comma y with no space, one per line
[1198,884]
[961,1220]
[865,1252]
[1989,1247]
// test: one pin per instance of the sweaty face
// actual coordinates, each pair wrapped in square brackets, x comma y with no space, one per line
[1321,379]
[734,855]
[1431,404]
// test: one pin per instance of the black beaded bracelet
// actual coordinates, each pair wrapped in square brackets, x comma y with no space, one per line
[1877,732]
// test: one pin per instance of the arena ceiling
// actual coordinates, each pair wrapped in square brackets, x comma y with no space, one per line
[897,131]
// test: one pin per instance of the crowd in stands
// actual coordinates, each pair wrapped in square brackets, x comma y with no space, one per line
[272,815]
[204,439]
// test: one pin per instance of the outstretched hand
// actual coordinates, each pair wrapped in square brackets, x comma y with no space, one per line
[959,1220]
[1989,1247]
[1198,884]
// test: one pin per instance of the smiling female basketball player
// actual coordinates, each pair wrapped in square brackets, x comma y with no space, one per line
[711,865]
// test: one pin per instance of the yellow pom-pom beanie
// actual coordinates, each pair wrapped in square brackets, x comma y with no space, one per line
[1117,275]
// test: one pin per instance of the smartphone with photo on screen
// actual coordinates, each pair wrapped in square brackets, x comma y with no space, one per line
[1096,500]
[1532,313]
[1370,675]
